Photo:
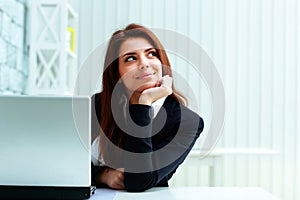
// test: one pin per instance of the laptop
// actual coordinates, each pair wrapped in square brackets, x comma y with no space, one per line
[45,147]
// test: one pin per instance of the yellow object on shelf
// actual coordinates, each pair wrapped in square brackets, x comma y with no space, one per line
[72,44]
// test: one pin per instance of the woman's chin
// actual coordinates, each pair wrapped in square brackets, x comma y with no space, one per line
[146,86]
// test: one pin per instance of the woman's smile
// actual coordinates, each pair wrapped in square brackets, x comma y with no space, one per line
[145,76]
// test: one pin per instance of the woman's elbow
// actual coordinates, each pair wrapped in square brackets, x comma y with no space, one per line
[200,126]
[139,182]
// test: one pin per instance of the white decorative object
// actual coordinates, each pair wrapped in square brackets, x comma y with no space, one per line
[52,67]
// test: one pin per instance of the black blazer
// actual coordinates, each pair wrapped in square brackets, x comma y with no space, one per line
[170,136]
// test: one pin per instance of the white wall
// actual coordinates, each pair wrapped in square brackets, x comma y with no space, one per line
[255,46]
[13,53]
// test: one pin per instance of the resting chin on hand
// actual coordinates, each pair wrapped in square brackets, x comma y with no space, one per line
[163,88]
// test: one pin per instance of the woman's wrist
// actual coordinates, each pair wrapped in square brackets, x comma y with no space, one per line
[138,98]
[102,176]
[144,100]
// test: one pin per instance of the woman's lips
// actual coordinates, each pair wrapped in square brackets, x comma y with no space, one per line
[145,76]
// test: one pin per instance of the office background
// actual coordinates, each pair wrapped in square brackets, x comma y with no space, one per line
[254,45]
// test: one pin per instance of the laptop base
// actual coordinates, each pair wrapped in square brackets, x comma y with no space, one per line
[42,192]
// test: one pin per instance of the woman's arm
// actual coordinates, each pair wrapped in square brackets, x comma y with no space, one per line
[185,128]
[186,135]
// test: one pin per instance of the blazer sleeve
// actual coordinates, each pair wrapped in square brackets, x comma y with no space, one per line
[190,127]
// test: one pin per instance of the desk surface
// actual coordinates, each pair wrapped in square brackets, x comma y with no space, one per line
[183,193]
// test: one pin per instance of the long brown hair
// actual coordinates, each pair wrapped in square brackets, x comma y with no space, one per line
[111,77]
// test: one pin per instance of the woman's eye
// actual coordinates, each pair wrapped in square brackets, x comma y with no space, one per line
[152,53]
[130,58]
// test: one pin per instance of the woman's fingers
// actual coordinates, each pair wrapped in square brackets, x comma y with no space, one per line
[167,81]
[116,178]
[121,170]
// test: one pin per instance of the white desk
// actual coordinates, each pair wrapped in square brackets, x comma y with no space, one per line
[184,193]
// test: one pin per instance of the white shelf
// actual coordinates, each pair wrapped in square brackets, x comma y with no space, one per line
[53,66]
[71,11]
[71,54]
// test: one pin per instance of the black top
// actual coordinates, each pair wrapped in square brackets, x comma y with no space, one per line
[164,142]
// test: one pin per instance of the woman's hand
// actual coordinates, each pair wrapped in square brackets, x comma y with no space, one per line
[163,88]
[114,178]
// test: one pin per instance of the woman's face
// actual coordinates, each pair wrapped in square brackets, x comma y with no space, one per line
[139,66]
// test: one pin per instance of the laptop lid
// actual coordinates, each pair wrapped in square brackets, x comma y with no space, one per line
[44,143]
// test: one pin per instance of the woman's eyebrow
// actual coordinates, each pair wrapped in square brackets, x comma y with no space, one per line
[149,49]
[127,54]
[133,53]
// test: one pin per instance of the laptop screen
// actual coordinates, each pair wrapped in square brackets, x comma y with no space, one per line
[44,141]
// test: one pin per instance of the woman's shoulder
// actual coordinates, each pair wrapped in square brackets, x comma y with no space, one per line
[96,108]
[96,101]
[184,114]
[96,97]
[173,105]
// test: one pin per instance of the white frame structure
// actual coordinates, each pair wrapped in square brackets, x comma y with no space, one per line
[53,65]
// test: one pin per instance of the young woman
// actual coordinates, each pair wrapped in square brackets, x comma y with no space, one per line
[142,130]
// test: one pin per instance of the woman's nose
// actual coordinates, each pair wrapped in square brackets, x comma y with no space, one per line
[143,67]
[144,64]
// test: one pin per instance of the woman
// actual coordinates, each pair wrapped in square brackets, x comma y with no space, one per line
[142,130]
